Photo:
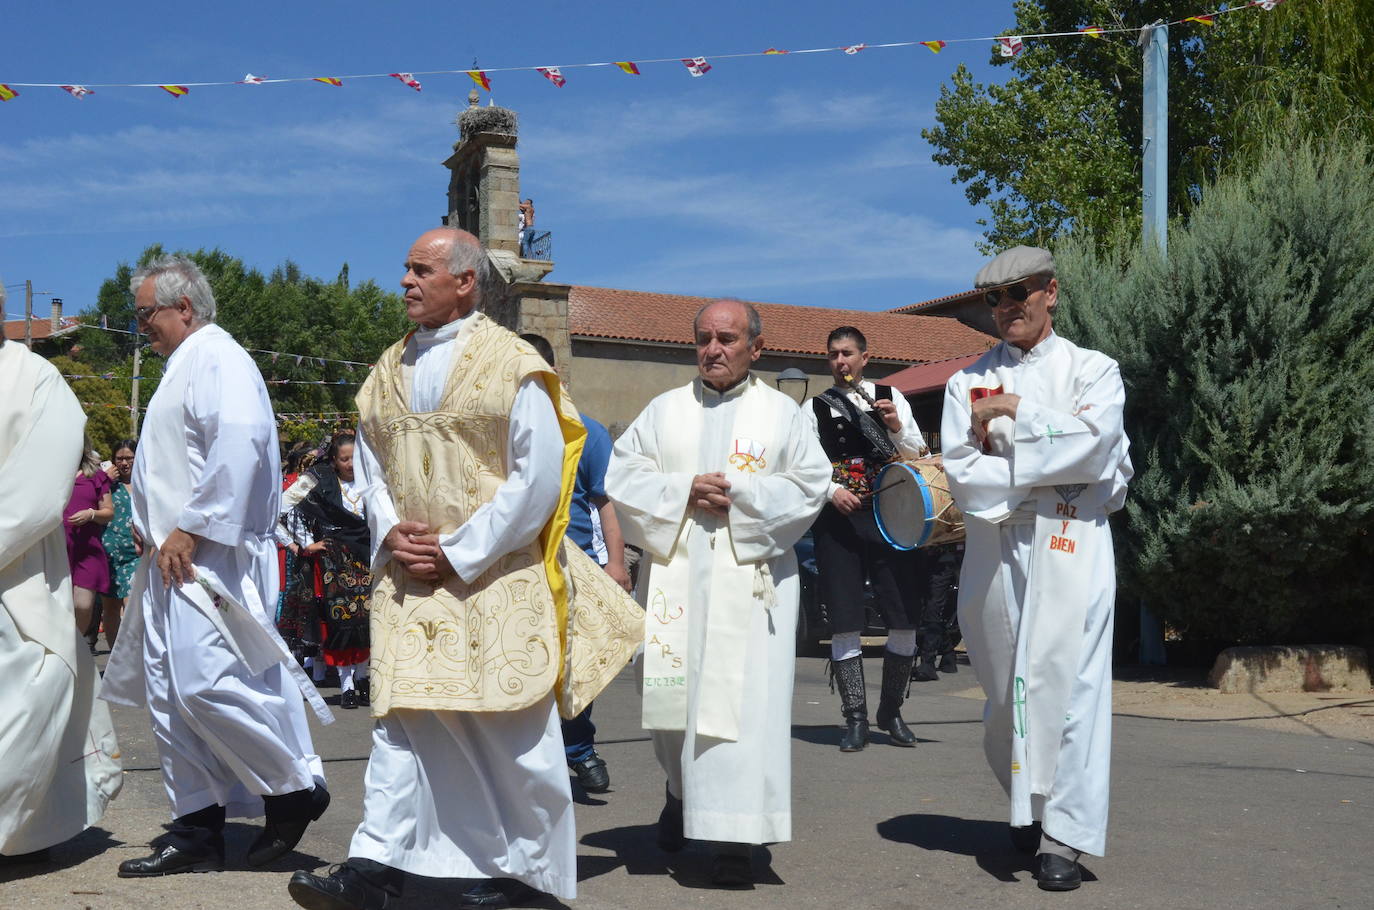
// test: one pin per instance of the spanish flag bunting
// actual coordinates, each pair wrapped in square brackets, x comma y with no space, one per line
[480,77]
[697,66]
[7,93]
[552,74]
[774,50]
[176,91]
[1202,20]
[1092,31]
[934,46]
[854,48]
[328,80]
[628,67]
[77,91]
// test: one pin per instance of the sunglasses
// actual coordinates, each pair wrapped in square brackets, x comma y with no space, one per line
[1018,292]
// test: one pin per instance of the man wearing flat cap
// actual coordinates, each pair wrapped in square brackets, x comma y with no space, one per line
[1037,459]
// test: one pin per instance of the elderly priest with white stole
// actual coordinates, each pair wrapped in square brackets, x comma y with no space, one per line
[1037,459]
[468,447]
[716,480]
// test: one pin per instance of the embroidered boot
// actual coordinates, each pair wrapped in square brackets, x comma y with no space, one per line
[896,681]
[848,677]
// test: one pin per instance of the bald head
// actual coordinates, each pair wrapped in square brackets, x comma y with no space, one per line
[729,338]
[445,274]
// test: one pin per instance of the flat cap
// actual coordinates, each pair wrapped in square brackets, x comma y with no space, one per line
[1013,265]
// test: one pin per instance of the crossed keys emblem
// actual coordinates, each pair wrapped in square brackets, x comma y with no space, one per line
[748,455]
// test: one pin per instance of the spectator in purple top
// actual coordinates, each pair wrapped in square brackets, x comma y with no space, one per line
[88,512]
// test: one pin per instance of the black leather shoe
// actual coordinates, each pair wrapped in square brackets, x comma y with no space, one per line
[1054,873]
[364,693]
[949,663]
[592,774]
[498,893]
[170,860]
[670,836]
[895,728]
[732,870]
[1027,839]
[925,671]
[286,824]
[343,889]
[349,699]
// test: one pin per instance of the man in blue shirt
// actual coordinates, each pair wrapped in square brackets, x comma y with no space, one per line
[590,511]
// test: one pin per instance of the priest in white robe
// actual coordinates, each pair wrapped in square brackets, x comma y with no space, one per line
[466,450]
[1037,459]
[61,762]
[198,646]
[717,480]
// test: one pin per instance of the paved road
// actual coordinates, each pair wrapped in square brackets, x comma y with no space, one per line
[1203,815]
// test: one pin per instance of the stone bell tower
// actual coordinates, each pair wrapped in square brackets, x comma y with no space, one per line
[484,199]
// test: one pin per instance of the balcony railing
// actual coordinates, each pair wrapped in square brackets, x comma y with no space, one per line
[535,244]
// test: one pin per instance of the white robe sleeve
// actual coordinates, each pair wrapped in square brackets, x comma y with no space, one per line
[981,482]
[813,428]
[227,413]
[36,478]
[770,512]
[650,503]
[525,500]
[1053,447]
[378,507]
[908,440]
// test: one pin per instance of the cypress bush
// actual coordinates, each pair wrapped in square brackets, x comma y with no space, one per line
[1248,359]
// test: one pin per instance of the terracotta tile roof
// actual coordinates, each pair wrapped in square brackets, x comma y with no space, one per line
[42,328]
[667,318]
[924,377]
[936,303]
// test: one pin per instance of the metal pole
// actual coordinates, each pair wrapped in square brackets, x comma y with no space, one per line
[133,396]
[1154,195]
[28,314]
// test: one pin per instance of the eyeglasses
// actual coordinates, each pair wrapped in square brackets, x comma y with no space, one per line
[144,314]
[1018,292]
[119,459]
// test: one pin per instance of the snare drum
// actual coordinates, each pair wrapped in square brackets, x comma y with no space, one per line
[913,505]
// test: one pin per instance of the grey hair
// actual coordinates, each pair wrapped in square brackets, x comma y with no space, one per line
[175,277]
[753,326]
[463,255]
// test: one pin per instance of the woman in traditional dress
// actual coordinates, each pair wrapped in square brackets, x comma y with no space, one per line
[88,511]
[118,540]
[329,525]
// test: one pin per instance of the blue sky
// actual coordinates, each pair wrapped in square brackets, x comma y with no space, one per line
[800,179]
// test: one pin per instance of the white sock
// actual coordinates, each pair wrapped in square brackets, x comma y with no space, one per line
[346,677]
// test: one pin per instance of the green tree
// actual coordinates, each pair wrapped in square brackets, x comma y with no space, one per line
[287,312]
[1056,147]
[104,398]
[1249,363]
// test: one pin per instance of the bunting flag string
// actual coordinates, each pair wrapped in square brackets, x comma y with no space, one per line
[323,416]
[299,358]
[1007,46]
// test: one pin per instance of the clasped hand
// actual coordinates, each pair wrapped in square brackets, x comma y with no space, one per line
[711,493]
[418,551]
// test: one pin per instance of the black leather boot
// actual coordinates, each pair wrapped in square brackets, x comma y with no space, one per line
[925,669]
[848,677]
[896,681]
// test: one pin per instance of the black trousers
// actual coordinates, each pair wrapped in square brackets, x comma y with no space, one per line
[849,549]
[938,578]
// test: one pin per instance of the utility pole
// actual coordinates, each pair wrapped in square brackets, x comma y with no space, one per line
[28,314]
[133,396]
[1154,197]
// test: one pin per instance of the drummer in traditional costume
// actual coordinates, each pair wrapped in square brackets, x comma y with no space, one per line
[862,427]
[1037,459]
[61,762]
[716,480]
[467,450]
[198,646]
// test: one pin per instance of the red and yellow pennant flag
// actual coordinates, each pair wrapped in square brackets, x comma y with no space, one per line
[552,74]
[480,77]
[774,50]
[935,46]
[77,91]
[1092,31]
[628,67]
[328,80]
[408,79]
[7,93]
[1202,20]
[176,91]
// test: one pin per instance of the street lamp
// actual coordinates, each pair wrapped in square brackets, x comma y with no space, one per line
[792,382]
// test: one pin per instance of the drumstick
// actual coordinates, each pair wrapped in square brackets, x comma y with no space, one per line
[900,480]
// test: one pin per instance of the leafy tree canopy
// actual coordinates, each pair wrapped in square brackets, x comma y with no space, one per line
[1057,145]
